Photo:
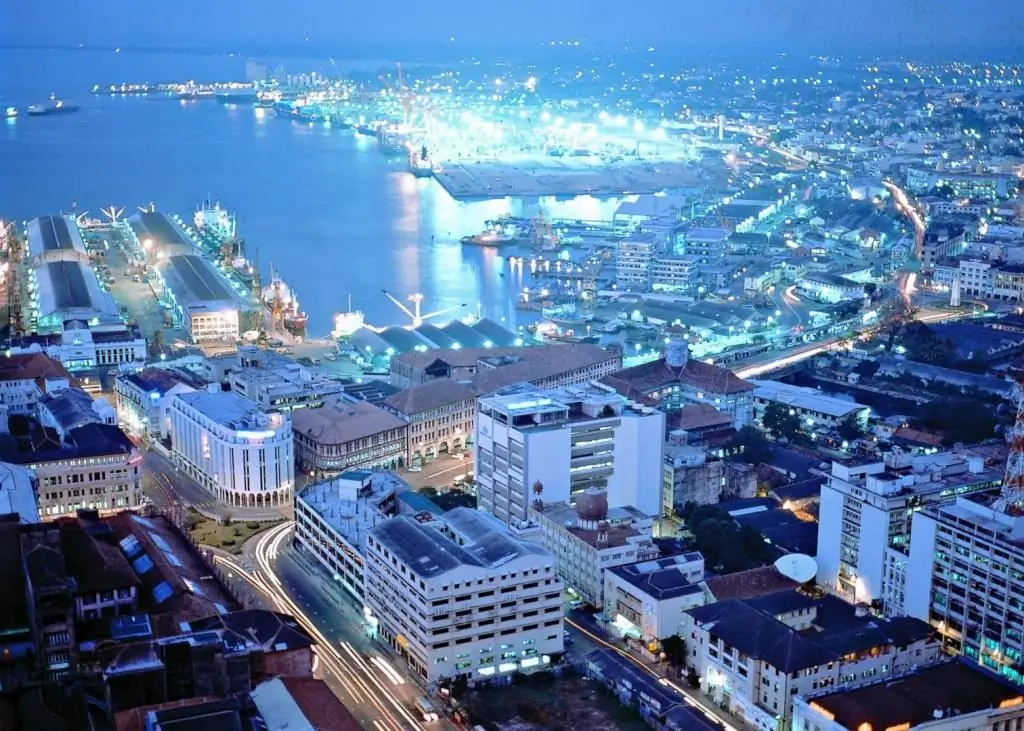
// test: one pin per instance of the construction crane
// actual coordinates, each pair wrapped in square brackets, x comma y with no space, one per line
[415,314]
[542,233]
[113,214]
[256,300]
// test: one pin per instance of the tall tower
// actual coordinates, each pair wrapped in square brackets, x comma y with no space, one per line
[954,292]
[1011,498]
[721,127]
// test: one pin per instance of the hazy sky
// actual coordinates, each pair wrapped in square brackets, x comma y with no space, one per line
[817,24]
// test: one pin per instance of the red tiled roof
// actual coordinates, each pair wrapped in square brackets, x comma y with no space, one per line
[748,584]
[642,380]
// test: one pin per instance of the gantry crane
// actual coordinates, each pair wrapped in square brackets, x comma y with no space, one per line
[415,314]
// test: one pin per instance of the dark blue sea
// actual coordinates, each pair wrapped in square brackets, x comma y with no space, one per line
[324,206]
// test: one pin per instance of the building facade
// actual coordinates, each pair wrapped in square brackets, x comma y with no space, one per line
[346,435]
[647,600]
[567,440]
[243,456]
[458,596]
[590,538]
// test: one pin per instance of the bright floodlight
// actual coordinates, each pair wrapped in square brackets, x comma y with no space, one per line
[531,83]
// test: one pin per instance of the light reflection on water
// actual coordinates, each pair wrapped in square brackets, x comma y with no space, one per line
[333,215]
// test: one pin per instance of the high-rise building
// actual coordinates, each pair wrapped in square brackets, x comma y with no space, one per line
[864,528]
[566,440]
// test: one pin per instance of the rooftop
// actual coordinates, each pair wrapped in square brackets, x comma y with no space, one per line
[340,421]
[664,578]
[160,230]
[18,493]
[162,380]
[229,409]
[428,396]
[808,399]
[30,367]
[353,503]
[638,382]
[752,626]
[52,233]
[46,445]
[429,552]
[748,584]
[527,406]
[956,687]
[622,524]
[193,280]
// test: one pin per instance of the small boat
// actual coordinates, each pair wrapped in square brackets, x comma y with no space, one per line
[11,113]
[490,237]
[56,106]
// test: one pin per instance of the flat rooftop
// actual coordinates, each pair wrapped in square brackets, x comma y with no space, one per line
[354,503]
[957,686]
[664,578]
[52,233]
[158,228]
[621,524]
[429,553]
[227,408]
[193,279]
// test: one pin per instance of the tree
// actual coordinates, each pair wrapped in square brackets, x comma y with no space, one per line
[867,368]
[752,444]
[782,422]
[850,428]
[674,648]
[870,289]
[959,419]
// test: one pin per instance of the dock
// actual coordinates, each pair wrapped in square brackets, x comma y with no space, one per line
[563,177]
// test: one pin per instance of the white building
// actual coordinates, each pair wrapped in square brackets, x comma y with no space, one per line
[143,399]
[460,596]
[829,288]
[23,381]
[965,576]
[755,656]
[673,273]
[18,486]
[274,381]
[333,519]
[814,408]
[864,519]
[949,696]
[590,538]
[634,256]
[647,600]
[245,457]
[567,439]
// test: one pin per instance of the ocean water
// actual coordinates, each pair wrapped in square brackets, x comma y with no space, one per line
[324,206]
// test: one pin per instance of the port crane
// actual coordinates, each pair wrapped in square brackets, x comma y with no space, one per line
[416,314]
[113,214]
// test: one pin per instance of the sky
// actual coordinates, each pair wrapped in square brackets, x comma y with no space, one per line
[820,25]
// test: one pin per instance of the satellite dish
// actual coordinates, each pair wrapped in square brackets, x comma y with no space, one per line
[799,567]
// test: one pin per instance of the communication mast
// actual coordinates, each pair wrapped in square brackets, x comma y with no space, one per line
[1011,498]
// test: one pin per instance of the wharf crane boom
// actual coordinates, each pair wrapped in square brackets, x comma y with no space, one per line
[416,314]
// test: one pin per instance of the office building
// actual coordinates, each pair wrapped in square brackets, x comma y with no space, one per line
[272,380]
[567,440]
[346,434]
[334,517]
[634,256]
[691,476]
[671,273]
[865,513]
[677,380]
[949,696]
[756,655]
[708,246]
[243,456]
[965,576]
[647,600]
[458,596]
[589,538]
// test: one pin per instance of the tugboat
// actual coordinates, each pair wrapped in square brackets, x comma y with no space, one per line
[283,304]
[419,163]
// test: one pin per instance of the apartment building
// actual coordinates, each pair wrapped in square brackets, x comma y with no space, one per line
[754,656]
[949,696]
[941,241]
[865,519]
[589,538]
[333,519]
[458,596]
[346,434]
[647,600]
[673,273]
[707,246]
[566,440]
[965,576]
[243,456]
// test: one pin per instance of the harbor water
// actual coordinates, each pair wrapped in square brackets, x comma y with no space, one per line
[332,214]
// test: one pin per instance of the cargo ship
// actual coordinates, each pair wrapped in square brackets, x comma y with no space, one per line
[242,97]
[56,106]
[420,164]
